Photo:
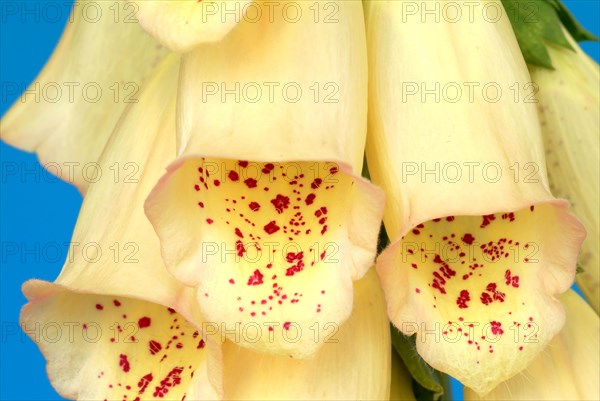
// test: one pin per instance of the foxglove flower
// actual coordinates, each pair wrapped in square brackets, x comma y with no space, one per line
[567,369]
[264,211]
[132,329]
[568,104]
[69,111]
[135,333]
[478,253]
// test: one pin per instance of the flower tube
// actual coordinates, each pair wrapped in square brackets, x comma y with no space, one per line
[69,111]
[479,245]
[265,212]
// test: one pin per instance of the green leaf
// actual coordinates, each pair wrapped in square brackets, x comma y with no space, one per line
[428,383]
[382,241]
[536,24]
[365,170]
[577,31]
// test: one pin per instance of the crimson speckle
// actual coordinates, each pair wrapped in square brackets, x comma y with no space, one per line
[117,303]
[144,322]
[209,221]
[254,206]
[468,239]
[99,306]
[233,176]
[310,199]
[256,278]
[243,163]
[496,328]
[154,347]
[268,167]
[316,183]
[280,203]
[271,228]
[124,363]
[217,183]
[250,183]
[286,325]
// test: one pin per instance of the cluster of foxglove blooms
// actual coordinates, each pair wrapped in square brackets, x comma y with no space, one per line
[256,274]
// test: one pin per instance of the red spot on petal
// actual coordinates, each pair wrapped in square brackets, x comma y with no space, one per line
[250,183]
[256,278]
[99,307]
[280,203]
[124,363]
[254,206]
[468,239]
[496,328]
[144,322]
[233,176]
[117,303]
[271,228]
[143,383]
[268,167]
[154,347]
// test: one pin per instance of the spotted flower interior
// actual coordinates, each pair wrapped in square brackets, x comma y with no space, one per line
[117,348]
[268,245]
[481,286]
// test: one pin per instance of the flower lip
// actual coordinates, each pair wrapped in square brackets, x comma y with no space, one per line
[288,241]
[114,344]
[477,282]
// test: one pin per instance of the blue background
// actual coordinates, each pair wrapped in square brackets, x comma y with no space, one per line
[41,210]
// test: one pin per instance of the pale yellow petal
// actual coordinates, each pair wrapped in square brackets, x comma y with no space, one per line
[113,244]
[479,245]
[183,24]
[567,369]
[69,111]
